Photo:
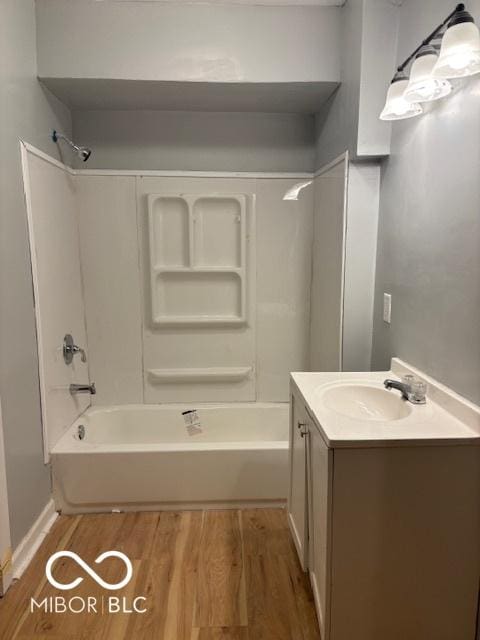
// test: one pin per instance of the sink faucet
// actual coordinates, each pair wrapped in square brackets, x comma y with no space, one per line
[83,388]
[399,386]
[414,394]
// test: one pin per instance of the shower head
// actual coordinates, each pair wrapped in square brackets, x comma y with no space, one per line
[82,152]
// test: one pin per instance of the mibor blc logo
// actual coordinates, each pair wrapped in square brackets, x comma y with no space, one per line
[87,569]
[89,604]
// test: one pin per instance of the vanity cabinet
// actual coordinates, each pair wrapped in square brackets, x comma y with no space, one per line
[310,472]
[390,535]
[297,499]
[319,468]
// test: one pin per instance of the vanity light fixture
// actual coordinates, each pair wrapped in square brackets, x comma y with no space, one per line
[397,107]
[423,85]
[459,57]
[460,52]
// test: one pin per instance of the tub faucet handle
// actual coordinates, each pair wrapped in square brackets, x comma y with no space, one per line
[70,349]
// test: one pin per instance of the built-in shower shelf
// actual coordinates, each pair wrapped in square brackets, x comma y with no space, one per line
[193,321]
[210,374]
[197,259]
[163,269]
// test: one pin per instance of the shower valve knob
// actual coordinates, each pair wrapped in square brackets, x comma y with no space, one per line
[70,349]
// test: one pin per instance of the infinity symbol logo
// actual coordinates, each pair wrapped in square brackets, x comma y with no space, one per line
[89,570]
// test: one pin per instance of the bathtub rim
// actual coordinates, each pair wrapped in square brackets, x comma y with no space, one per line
[179,406]
[68,445]
[77,447]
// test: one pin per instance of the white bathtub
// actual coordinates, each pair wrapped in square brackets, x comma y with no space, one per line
[141,457]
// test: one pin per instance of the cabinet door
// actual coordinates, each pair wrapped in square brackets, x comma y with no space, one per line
[297,498]
[319,495]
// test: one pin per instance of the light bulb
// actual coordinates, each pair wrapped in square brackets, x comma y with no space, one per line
[396,106]
[423,87]
[460,60]
[460,52]
[400,107]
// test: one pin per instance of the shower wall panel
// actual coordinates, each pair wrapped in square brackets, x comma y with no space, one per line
[284,258]
[59,303]
[248,354]
[111,278]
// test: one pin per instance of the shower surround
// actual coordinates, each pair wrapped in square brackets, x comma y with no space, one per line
[191,283]
[188,284]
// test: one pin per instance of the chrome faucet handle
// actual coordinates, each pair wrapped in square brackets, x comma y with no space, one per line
[70,349]
[81,351]
[418,391]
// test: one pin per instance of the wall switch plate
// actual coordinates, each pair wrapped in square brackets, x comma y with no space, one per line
[387,308]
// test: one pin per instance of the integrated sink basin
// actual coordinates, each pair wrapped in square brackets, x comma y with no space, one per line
[352,409]
[365,402]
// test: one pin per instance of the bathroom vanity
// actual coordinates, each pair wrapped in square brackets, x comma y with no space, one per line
[384,506]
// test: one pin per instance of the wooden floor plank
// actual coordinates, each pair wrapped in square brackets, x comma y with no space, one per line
[97,533]
[135,537]
[184,559]
[271,604]
[223,633]
[214,575]
[268,547]
[221,598]
[166,578]
[279,600]
[265,531]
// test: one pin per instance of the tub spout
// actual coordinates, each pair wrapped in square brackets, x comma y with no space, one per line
[83,388]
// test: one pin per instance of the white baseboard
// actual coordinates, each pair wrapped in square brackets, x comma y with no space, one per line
[27,548]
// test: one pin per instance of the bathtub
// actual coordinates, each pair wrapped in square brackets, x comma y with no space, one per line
[142,457]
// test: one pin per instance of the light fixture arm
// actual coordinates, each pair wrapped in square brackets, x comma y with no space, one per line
[428,39]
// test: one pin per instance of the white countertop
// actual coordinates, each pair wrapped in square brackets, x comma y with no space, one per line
[446,418]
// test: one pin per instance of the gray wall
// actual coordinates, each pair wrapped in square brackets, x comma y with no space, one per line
[196,141]
[360,250]
[429,233]
[182,41]
[349,119]
[30,113]
[337,123]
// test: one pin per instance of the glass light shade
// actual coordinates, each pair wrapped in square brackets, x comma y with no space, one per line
[460,52]
[396,107]
[423,86]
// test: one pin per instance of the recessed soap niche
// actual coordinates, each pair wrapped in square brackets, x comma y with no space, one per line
[198,259]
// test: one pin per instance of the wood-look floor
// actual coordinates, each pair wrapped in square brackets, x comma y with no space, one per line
[213,575]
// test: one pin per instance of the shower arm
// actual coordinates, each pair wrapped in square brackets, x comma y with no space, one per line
[56,136]
[82,152]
